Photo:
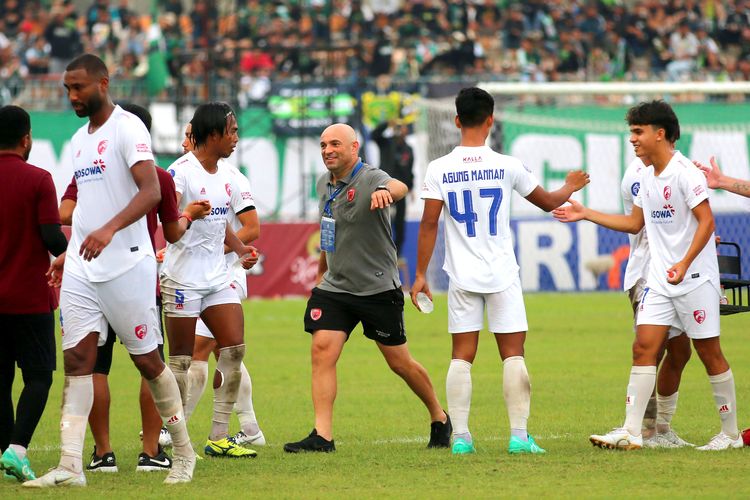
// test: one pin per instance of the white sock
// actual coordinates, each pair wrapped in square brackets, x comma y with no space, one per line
[726,401]
[20,450]
[517,392]
[640,388]
[197,378]
[244,404]
[179,366]
[665,408]
[166,396]
[78,396]
[228,366]
[458,388]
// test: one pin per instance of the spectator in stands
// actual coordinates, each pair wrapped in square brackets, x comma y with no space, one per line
[683,48]
[63,38]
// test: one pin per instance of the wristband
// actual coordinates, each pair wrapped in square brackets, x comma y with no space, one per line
[382,188]
[189,219]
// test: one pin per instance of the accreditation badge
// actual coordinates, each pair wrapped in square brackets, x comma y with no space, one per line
[327,234]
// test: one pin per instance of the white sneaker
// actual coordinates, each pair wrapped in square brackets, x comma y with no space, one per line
[670,439]
[617,438]
[719,442]
[165,438]
[257,439]
[57,477]
[182,470]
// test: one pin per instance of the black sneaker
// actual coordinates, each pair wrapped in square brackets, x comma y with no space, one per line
[313,442]
[147,463]
[105,463]
[440,433]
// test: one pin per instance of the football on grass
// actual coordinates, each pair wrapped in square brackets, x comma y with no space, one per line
[746,437]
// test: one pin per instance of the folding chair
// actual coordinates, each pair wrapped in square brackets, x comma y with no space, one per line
[737,289]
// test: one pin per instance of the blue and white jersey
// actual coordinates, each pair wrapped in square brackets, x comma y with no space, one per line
[197,259]
[475,184]
[638,259]
[667,201]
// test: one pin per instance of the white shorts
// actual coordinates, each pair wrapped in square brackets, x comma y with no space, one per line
[127,303]
[200,327]
[696,313]
[635,294]
[506,312]
[181,302]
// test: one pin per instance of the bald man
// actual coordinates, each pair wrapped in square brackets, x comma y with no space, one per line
[358,281]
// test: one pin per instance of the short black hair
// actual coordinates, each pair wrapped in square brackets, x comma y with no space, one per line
[91,63]
[474,106]
[210,118]
[15,124]
[138,111]
[656,113]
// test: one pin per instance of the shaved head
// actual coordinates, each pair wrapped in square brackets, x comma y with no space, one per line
[341,130]
[339,148]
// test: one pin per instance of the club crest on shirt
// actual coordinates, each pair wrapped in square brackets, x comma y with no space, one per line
[316,313]
[350,195]
[228,188]
[140,331]
[203,190]
[699,316]
[667,192]
[101,147]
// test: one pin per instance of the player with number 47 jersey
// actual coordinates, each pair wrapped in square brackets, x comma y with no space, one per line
[475,184]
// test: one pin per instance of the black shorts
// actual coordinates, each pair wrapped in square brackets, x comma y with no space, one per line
[104,352]
[382,314]
[29,341]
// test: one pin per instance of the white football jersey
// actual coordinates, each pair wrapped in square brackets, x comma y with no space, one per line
[638,260]
[242,199]
[101,163]
[475,184]
[197,259]
[667,201]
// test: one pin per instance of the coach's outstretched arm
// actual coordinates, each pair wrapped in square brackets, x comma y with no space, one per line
[550,200]
[149,194]
[716,180]
[428,229]
[574,212]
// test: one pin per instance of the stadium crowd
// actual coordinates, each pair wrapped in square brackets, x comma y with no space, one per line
[265,40]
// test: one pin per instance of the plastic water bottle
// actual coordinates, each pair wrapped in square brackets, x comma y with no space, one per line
[424,303]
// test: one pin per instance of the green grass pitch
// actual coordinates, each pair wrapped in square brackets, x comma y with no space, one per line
[578,355]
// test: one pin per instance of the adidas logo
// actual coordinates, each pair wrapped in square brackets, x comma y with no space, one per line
[173,419]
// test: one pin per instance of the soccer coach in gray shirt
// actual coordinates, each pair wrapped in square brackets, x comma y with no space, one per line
[358,282]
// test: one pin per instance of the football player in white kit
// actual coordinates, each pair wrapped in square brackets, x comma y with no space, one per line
[657,428]
[475,183]
[683,279]
[195,280]
[110,269]
[244,220]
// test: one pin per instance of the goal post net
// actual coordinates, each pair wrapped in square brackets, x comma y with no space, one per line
[557,127]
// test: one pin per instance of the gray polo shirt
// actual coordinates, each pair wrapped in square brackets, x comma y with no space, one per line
[364,262]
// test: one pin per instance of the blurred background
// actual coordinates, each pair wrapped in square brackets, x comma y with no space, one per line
[563,73]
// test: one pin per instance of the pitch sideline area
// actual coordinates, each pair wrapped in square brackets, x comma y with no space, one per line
[578,355]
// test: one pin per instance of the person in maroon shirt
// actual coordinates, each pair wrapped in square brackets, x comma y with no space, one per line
[152,458]
[28,232]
